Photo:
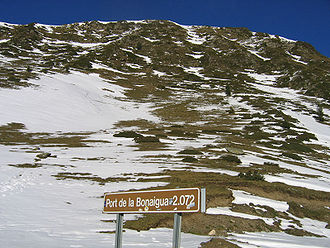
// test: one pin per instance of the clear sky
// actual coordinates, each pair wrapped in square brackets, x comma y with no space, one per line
[305,20]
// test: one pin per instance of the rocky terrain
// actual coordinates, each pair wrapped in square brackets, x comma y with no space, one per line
[93,107]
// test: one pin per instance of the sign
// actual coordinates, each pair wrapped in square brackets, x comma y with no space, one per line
[153,201]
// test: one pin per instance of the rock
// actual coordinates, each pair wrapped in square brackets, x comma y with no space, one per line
[236,151]
[43,155]
[212,233]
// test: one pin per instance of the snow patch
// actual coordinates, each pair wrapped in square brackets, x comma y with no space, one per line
[276,240]
[192,36]
[74,102]
[242,197]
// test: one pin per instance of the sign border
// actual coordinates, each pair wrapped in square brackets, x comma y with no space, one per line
[157,211]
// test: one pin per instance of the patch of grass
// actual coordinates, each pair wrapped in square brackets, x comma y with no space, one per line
[140,123]
[309,211]
[15,134]
[178,112]
[301,196]
[150,221]
[127,134]
[146,139]
[222,224]
[25,165]
[292,155]
[109,232]
[176,98]
[190,159]
[151,146]
[218,242]
[181,133]
[43,155]
[305,136]
[88,177]
[190,152]
[271,164]
[252,175]
[292,145]
[218,194]
[253,209]
[301,232]
[231,159]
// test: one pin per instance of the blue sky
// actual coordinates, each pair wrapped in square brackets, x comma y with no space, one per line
[305,20]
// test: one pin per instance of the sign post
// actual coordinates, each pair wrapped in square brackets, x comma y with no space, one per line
[119,231]
[177,230]
[177,201]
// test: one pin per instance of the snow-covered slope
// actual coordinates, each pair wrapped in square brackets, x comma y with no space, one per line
[61,103]
[261,150]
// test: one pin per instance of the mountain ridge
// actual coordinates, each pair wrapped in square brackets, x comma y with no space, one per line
[92,107]
[218,50]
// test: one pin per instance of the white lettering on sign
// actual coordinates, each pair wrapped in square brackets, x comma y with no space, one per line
[183,200]
[168,200]
[153,202]
[188,200]
[111,204]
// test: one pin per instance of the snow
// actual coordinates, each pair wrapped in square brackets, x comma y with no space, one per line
[43,211]
[229,212]
[146,58]
[49,28]
[263,78]
[134,66]
[234,40]
[63,102]
[196,56]
[277,240]
[321,131]
[4,59]
[196,71]
[159,73]
[41,216]
[242,197]
[237,103]
[220,171]
[100,66]
[296,58]
[258,55]
[282,38]
[7,25]
[192,36]
[321,184]
[150,40]
[4,40]
[213,107]
[137,21]
[78,44]
[274,240]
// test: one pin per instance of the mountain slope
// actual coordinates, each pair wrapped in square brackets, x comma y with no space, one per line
[244,114]
[162,46]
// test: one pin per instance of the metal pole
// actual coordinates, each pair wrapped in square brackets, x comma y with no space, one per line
[119,231]
[203,200]
[177,230]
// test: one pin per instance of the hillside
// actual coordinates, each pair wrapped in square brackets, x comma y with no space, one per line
[243,114]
